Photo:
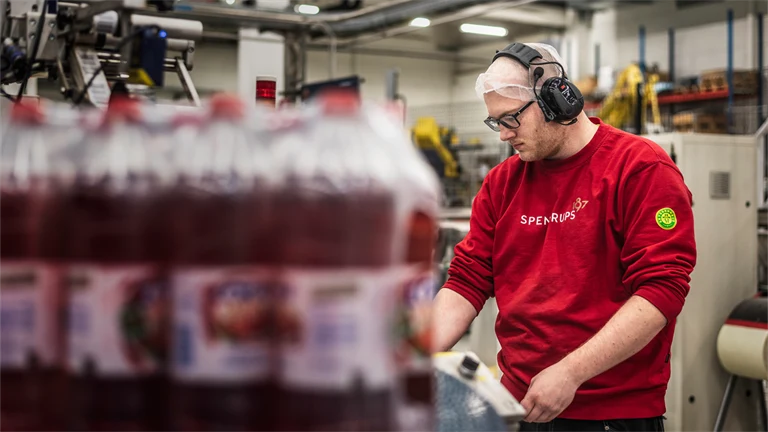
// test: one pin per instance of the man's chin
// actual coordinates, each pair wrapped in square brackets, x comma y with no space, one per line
[526,156]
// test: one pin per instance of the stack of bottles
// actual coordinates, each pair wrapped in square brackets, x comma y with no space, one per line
[229,268]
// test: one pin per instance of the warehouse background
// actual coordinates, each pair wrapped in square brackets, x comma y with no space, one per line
[588,38]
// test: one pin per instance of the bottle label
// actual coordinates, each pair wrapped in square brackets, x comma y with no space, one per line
[221,324]
[414,318]
[29,313]
[334,328]
[416,293]
[118,319]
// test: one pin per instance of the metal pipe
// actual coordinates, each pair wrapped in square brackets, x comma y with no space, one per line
[671,37]
[176,28]
[459,15]
[186,82]
[110,42]
[332,52]
[641,53]
[729,72]
[366,19]
[597,60]
[763,409]
[399,14]
[62,76]
[370,18]
[720,421]
[218,15]
[95,8]
[271,19]
[762,130]
[760,71]
[179,44]
[4,22]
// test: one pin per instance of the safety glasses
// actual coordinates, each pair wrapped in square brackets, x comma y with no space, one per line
[509,121]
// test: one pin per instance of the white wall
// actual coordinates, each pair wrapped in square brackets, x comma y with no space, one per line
[422,81]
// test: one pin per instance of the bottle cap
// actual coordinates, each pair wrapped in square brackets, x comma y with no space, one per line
[27,112]
[123,108]
[226,105]
[339,102]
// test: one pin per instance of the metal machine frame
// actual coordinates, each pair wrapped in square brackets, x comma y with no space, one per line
[74,44]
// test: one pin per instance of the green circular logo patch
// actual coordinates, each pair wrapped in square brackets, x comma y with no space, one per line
[666,218]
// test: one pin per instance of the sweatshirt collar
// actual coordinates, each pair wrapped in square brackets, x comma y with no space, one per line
[583,155]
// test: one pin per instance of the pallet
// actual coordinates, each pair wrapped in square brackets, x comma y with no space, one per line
[717,80]
[687,89]
[711,123]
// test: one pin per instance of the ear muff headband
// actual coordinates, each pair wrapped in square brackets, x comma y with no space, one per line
[559,100]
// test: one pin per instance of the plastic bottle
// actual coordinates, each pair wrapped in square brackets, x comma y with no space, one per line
[117,291]
[418,212]
[222,365]
[337,214]
[31,374]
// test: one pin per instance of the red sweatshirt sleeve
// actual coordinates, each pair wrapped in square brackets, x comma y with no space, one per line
[659,251]
[471,271]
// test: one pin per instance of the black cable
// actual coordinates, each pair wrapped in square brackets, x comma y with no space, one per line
[36,46]
[120,44]
[6,95]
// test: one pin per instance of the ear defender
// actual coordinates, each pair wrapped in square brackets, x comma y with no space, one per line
[563,98]
[559,99]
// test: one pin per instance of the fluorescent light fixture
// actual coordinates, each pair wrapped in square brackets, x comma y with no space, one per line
[483,30]
[420,22]
[307,9]
[230,2]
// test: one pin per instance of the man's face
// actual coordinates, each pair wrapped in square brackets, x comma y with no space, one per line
[534,139]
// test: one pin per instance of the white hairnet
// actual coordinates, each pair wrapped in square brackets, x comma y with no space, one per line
[510,78]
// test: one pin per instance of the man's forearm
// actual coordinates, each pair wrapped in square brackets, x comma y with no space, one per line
[452,316]
[627,332]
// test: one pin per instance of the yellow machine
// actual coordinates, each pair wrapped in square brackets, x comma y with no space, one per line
[619,106]
[428,138]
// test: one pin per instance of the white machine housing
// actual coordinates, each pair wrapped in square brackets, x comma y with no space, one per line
[721,173]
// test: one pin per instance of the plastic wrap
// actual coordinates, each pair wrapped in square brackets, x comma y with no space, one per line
[235,268]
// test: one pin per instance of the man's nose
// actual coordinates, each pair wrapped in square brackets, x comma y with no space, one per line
[506,133]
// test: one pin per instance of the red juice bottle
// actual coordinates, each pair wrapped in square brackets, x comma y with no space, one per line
[419,194]
[336,217]
[222,362]
[117,293]
[31,375]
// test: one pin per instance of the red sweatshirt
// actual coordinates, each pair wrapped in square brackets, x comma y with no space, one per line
[562,245]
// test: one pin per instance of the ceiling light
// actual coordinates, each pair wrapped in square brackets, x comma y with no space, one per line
[420,22]
[483,30]
[230,2]
[307,9]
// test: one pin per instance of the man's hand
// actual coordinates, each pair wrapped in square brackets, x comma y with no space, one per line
[550,393]
[626,333]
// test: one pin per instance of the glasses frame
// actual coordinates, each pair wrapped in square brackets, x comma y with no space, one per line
[494,123]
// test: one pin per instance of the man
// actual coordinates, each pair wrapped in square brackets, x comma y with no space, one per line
[586,239]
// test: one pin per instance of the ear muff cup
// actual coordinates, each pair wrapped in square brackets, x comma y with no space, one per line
[563,98]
